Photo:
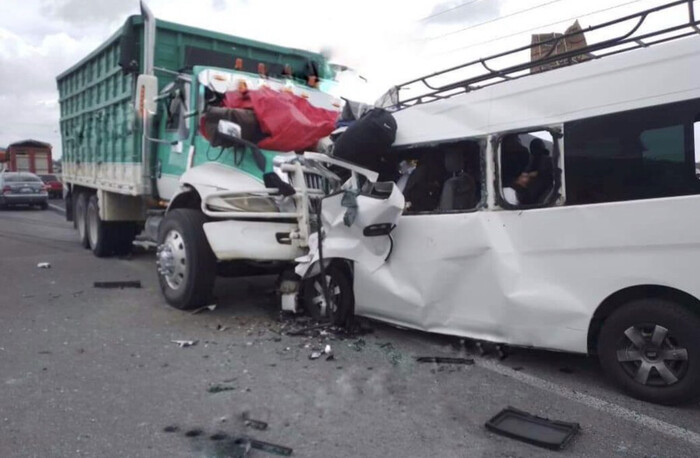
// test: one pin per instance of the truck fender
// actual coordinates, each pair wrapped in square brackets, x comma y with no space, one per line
[188,197]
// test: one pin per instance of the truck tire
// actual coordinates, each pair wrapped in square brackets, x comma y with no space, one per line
[80,217]
[651,349]
[98,234]
[342,299]
[186,265]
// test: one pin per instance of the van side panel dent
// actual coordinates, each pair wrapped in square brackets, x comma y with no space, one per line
[533,277]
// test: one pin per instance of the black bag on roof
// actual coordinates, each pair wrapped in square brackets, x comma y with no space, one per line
[367,138]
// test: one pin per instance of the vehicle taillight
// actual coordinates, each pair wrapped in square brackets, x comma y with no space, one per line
[47,187]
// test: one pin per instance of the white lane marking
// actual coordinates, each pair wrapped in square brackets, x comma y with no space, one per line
[660,426]
[57,208]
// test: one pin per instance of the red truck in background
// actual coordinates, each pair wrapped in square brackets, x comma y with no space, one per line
[35,157]
[29,156]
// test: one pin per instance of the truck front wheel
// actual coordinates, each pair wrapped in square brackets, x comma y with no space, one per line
[186,264]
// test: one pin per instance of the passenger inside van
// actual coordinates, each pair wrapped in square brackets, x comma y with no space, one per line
[514,161]
[541,173]
[447,177]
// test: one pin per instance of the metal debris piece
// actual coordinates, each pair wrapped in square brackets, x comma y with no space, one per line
[217,388]
[358,345]
[315,355]
[444,360]
[303,331]
[185,343]
[271,448]
[252,423]
[211,308]
[516,424]
[117,284]
[44,265]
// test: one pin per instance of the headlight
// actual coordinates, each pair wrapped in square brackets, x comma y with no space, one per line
[250,203]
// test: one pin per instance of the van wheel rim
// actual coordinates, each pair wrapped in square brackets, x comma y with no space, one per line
[172,260]
[651,356]
[318,300]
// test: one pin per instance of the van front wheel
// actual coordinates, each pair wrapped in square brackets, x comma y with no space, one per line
[341,301]
[186,264]
[651,349]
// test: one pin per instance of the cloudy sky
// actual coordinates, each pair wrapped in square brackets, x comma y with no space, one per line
[387,41]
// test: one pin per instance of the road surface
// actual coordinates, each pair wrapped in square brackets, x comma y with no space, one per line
[95,372]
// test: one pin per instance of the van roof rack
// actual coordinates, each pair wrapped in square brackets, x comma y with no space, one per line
[488,76]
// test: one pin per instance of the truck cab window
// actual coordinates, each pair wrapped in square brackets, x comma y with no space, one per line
[176,107]
[526,168]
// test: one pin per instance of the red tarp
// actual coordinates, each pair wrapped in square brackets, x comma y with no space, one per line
[291,122]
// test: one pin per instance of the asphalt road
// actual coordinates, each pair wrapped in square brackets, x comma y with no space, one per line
[95,372]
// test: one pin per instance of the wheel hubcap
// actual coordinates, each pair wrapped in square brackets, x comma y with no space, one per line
[319,299]
[172,260]
[652,356]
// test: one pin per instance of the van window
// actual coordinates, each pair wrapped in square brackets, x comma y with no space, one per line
[527,169]
[440,178]
[641,154]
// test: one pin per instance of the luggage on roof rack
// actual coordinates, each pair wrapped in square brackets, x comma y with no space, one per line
[430,91]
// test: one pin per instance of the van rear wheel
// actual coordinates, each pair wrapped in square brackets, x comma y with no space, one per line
[651,349]
[186,265]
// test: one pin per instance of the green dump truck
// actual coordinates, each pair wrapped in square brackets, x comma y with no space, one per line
[135,155]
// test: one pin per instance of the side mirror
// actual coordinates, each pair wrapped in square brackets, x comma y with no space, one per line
[145,103]
[229,134]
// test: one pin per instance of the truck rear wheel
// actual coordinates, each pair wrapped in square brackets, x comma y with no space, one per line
[107,238]
[80,217]
[186,265]
[651,349]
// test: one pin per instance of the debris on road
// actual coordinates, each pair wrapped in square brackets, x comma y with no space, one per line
[305,330]
[221,327]
[270,448]
[358,345]
[328,351]
[44,265]
[185,343]
[516,424]
[117,284]
[444,360]
[315,355]
[252,423]
[211,308]
[217,388]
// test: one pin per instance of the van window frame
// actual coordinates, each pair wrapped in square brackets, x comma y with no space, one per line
[642,119]
[482,141]
[557,196]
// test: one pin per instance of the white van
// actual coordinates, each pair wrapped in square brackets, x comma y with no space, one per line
[559,210]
